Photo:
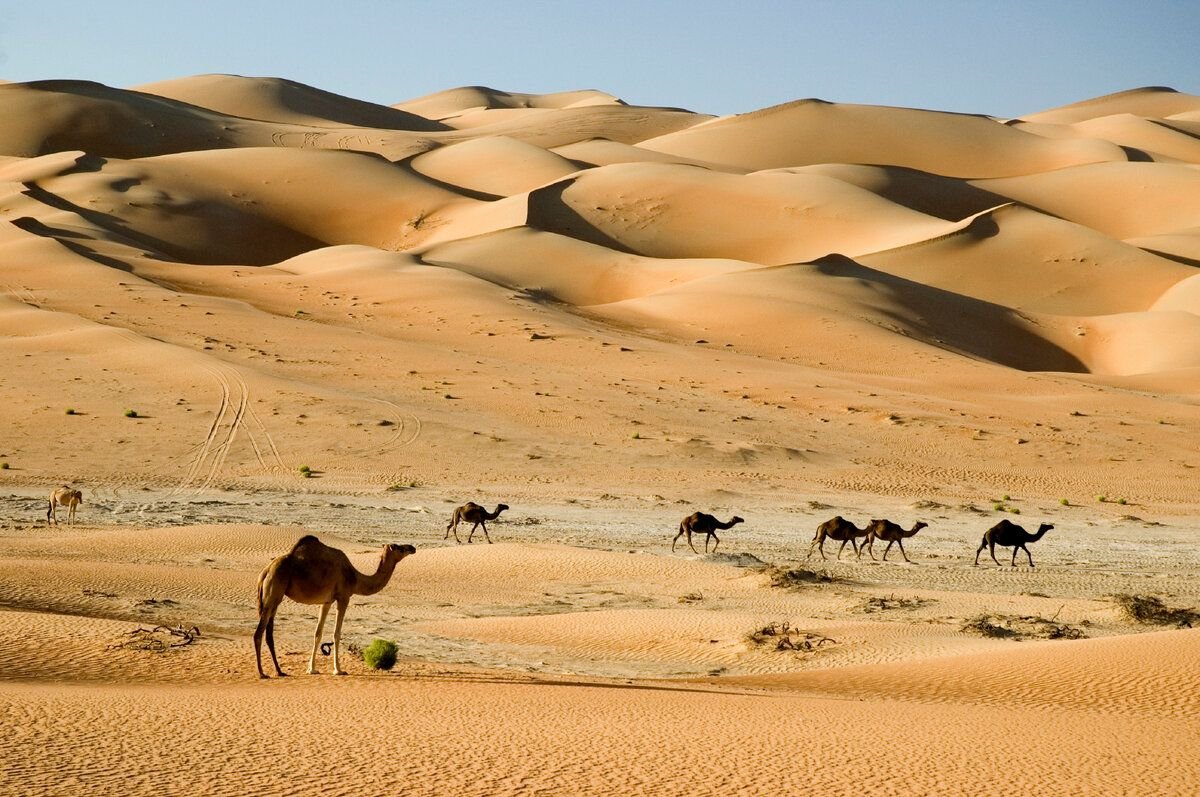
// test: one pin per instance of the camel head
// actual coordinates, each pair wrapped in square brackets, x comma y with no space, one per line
[921,524]
[1045,527]
[736,519]
[500,508]
[397,552]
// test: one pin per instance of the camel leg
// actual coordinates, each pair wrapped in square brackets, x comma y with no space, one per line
[821,548]
[812,546]
[312,660]
[993,552]
[677,536]
[337,636]
[689,538]
[902,553]
[485,534]
[453,527]
[1027,553]
[71,514]
[982,545]
[715,547]
[472,534]
[885,550]
[263,621]
[266,625]
[841,548]
[51,514]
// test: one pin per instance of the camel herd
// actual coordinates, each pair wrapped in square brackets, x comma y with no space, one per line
[1005,533]
[316,574]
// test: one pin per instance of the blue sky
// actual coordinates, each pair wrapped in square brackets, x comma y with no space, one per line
[999,58]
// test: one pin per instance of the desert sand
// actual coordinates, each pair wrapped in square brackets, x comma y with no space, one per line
[235,311]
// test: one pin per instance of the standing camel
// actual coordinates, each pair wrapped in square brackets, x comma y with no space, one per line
[893,533]
[472,512]
[314,573]
[700,523]
[837,529]
[63,496]
[1010,535]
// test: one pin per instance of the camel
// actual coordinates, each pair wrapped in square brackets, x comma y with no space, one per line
[1010,535]
[700,523]
[887,530]
[63,496]
[472,512]
[314,573]
[837,529]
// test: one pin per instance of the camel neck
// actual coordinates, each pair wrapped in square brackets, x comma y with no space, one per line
[370,584]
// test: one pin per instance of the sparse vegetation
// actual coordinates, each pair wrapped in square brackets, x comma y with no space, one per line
[1064,502]
[1122,501]
[1151,610]
[1014,510]
[3,466]
[71,411]
[306,471]
[797,578]
[131,413]
[1102,499]
[881,604]
[380,654]
[781,636]
[691,597]
[1003,626]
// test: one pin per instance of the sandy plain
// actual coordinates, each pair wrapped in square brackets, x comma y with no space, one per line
[605,316]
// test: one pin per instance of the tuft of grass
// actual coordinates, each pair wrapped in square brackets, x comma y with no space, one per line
[3,466]
[306,471]
[70,410]
[692,597]
[998,507]
[1102,499]
[380,654]
[1064,502]
[636,435]
[881,604]
[1122,501]
[131,413]
[1151,610]
[1006,497]
[1014,510]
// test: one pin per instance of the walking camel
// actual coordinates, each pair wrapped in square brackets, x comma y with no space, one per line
[892,532]
[701,523]
[63,496]
[1010,535]
[315,573]
[838,529]
[472,512]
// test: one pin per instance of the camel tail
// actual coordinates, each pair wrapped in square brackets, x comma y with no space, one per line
[261,581]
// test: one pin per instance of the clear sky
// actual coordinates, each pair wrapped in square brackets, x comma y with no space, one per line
[1003,57]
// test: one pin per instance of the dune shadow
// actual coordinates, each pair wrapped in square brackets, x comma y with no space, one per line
[951,320]
[548,211]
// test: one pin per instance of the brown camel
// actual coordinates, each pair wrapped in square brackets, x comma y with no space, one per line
[314,573]
[1010,535]
[700,523]
[472,512]
[63,496]
[887,530]
[837,529]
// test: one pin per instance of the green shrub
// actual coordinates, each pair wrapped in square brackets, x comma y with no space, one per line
[3,466]
[131,413]
[380,654]
[70,410]
[1064,502]
[305,471]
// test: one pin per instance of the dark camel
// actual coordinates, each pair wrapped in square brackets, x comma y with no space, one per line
[472,513]
[887,530]
[314,573]
[1010,535]
[63,496]
[700,523]
[838,529]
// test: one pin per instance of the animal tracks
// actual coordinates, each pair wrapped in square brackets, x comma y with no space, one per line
[234,415]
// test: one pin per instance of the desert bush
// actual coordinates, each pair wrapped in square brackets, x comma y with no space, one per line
[782,636]
[1002,626]
[1151,610]
[799,577]
[380,654]
[881,604]
[131,413]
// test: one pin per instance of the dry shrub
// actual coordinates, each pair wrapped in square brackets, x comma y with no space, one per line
[880,604]
[782,636]
[1004,626]
[1151,610]
[798,578]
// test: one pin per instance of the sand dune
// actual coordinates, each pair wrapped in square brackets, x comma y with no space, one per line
[237,310]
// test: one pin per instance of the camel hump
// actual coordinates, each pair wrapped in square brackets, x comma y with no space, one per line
[306,542]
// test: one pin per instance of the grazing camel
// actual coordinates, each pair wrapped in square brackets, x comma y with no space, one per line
[837,529]
[63,496]
[314,573]
[700,523]
[472,512]
[1010,535]
[887,530]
